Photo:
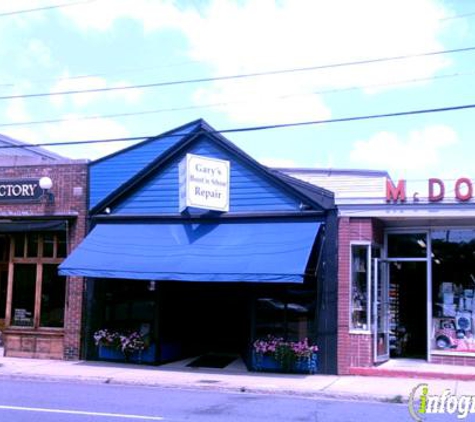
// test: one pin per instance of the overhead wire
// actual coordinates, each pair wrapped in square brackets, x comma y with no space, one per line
[240,76]
[258,128]
[227,103]
[38,9]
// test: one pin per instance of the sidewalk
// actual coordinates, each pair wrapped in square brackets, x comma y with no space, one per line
[394,389]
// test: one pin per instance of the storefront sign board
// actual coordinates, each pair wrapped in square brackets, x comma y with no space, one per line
[436,191]
[20,190]
[204,183]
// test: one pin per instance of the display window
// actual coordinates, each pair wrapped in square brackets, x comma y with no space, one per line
[362,270]
[360,281]
[35,296]
[4,248]
[289,315]
[453,287]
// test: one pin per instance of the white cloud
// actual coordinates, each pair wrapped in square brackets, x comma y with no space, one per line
[16,111]
[71,130]
[87,83]
[419,150]
[261,35]
[278,162]
[102,15]
[38,53]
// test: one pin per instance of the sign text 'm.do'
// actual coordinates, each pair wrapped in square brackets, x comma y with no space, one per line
[436,190]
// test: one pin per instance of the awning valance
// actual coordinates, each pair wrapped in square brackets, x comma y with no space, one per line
[229,251]
[8,226]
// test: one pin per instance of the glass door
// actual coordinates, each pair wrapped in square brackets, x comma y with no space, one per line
[380,311]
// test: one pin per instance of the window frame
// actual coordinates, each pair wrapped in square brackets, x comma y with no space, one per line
[368,246]
[39,261]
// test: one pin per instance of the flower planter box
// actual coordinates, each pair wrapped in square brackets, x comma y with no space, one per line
[113,354]
[267,363]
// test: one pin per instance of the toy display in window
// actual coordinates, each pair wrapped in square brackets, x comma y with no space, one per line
[454,325]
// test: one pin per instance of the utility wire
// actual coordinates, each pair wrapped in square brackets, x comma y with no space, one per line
[257,128]
[241,76]
[464,15]
[226,103]
[38,9]
[143,69]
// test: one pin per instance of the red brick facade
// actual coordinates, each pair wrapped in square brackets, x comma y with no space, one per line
[353,349]
[453,360]
[70,203]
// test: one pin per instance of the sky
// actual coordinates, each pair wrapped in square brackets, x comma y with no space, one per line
[91,44]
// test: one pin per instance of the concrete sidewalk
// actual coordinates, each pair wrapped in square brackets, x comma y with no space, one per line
[394,389]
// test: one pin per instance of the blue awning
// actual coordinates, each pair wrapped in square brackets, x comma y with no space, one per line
[229,251]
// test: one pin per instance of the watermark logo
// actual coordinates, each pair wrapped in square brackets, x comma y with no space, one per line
[421,403]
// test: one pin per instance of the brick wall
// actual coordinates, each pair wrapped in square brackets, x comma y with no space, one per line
[70,202]
[353,349]
[453,360]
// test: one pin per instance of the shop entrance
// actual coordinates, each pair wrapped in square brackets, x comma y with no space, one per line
[400,298]
[407,291]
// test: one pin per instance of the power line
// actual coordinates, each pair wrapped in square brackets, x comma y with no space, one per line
[258,128]
[38,9]
[102,74]
[240,76]
[465,15]
[226,103]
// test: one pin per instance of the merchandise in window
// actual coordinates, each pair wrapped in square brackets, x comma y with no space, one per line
[453,275]
[359,287]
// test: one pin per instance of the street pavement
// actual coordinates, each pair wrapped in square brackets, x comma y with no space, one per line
[232,379]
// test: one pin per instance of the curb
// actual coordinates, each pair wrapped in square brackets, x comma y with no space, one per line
[214,386]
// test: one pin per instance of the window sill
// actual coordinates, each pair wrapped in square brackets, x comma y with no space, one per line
[34,331]
[442,353]
[356,331]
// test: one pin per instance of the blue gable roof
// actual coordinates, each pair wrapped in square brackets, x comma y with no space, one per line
[143,180]
[109,173]
[249,191]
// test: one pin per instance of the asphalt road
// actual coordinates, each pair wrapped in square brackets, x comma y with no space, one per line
[32,401]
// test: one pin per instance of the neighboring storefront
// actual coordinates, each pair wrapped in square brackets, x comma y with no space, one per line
[406,268]
[42,218]
[198,248]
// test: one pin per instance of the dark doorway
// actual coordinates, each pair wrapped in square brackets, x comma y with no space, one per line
[408,309]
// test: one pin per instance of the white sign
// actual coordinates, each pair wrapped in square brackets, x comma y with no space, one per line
[204,183]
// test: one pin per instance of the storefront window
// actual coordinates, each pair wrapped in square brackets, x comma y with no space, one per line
[61,245]
[4,249]
[53,291]
[453,286]
[3,291]
[48,245]
[35,270]
[290,316]
[23,299]
[19,241]
[360,287]
[408,245]
[32,245]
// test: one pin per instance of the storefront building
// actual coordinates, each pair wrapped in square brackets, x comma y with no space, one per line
[42,218]
[406,271]
[197,247]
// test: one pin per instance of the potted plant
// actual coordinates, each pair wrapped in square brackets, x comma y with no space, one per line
[123,345]
[274,354]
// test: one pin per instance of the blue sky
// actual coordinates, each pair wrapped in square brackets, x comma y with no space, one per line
[127,42]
